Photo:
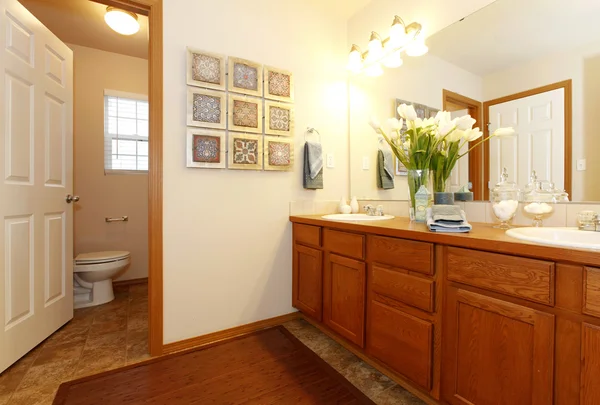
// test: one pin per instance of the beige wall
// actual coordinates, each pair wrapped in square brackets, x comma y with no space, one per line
[591,126]
[552,69]
[227,238]
[113,195]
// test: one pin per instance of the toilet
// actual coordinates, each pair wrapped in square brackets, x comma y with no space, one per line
[93,274]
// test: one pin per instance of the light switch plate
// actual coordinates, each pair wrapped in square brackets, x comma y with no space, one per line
[330,160]
[366,163]
[581,165]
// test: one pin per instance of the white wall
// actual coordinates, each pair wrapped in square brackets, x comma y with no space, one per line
[107,196]
[551,69]
[420,80]
[227,239]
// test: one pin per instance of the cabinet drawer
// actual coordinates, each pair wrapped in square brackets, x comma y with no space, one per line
[345,243]
[411,290]
[591,291]
[406,254]
[307,234]
[401,341]
[529,279]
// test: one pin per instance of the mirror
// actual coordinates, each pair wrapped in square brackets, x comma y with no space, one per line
[532,65]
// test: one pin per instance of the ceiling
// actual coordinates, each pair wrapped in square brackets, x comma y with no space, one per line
[511,32]
[81,22]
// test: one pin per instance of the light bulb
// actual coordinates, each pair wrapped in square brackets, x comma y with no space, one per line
[393,60]
[417,47]
[374,70]
[121,21]
[375,46]
[397,33]
[354,60]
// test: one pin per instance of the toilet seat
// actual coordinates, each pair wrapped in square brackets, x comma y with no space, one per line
[101,257]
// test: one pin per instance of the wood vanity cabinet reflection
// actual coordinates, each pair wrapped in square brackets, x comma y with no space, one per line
[344,282]
[496,352]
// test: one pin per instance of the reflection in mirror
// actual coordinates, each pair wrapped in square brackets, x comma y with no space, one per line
[508,64]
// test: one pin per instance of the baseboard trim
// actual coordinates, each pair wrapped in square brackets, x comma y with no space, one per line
[133,281]
[403,382]
[203,340]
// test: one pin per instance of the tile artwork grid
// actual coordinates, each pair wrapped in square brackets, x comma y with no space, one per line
[263,144]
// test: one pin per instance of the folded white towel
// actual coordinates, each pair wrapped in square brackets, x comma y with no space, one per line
[447,226]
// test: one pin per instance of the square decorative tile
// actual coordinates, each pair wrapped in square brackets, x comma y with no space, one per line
[245,77]
[206,108]
[279,153]
[205,69]
[279,84]
[206,148]
[245,152]
[245,114]
[279,119]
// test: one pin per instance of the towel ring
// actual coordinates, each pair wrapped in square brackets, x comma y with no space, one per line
[310,130]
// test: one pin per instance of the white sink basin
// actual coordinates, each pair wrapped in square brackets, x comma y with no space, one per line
[567,237]
[356,217]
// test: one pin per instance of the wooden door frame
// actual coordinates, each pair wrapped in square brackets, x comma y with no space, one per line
[567,85]
[476,155]
[154,10]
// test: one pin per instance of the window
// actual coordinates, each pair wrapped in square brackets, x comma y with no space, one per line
[125,132]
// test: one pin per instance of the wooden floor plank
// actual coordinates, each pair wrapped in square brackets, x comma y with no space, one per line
[266,367]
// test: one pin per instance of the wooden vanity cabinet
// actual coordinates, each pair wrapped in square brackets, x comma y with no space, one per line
[307,283]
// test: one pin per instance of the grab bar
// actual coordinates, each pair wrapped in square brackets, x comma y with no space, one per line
[124,218]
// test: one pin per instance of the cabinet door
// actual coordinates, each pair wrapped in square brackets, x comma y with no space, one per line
[401,341]
[496,352]
[344,297]
[307,283]
[590,364]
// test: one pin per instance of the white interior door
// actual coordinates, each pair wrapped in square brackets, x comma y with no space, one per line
[36,129]
[539,124]
[460,174]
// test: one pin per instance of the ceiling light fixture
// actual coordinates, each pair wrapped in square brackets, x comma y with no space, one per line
[403,38]
[121,21]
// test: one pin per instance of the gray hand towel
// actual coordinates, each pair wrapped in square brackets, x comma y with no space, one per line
[315,158]
[308,180]
[448,226]
[446,213]
[384,180]
[388,158]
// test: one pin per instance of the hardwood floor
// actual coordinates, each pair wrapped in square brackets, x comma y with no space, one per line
[266,367]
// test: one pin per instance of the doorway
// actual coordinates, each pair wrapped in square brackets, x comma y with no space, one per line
[456,102]
[152,9]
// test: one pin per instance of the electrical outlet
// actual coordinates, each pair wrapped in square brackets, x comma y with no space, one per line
[366,163]
[330,160]
[581,165]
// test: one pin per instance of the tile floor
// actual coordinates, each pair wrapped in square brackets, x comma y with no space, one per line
[115,334]
[97,339]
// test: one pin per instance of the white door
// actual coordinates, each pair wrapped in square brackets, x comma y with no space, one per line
[459,176]
[36,130]
[539,124]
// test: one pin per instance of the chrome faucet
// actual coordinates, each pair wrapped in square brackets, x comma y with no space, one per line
[372,211]
[588,221]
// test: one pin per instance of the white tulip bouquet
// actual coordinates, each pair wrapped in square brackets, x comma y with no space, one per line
[432,143]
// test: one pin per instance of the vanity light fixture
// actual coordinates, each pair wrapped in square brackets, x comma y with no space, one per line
[121,21]
[388,52]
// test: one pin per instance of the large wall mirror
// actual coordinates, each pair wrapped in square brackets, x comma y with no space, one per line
[533,65]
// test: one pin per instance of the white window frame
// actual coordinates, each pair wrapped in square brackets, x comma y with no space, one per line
[131,96]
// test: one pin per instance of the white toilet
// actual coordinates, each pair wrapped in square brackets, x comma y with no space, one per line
[93,274]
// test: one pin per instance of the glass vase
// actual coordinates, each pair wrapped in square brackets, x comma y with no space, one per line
[417,178]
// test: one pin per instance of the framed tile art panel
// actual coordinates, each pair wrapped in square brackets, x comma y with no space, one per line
[279,84]
[206,108]
[245,77]
[245,114]
[279,119]
[206,148]
[245,151]
[278,153]
[205,69]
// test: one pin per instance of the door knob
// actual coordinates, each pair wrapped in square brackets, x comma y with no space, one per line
[71,198]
